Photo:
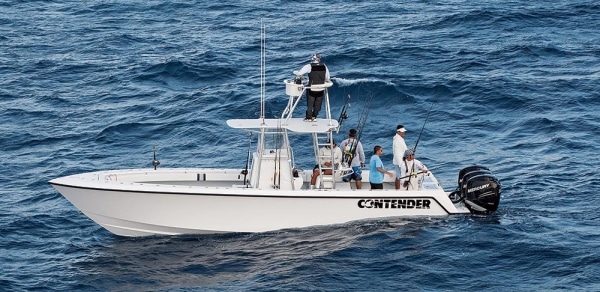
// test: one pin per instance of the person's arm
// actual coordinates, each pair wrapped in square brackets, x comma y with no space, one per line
[361,154]
[422,166]
[395,149]
[337,157]
[380,169]
[305,69]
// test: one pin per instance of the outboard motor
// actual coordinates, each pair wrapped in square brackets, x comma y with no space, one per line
[478,188]
[468,175]
[465,170]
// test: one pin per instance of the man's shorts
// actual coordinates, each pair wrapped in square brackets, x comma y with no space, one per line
[398,171]
[355,175]
[375,186]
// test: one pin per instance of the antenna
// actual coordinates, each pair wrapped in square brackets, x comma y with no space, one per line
[263,43]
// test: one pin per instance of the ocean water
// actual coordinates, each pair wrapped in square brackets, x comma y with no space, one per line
[512,85]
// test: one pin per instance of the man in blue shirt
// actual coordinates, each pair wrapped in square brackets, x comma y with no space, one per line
[376,170]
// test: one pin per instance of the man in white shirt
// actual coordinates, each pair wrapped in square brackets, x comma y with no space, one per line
[410,169]
[399,147]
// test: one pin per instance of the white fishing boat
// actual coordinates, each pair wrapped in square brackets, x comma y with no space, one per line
[270,193]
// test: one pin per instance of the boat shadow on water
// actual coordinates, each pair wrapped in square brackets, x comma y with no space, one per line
[194,260]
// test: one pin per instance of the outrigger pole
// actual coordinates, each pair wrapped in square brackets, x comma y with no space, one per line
[263,58]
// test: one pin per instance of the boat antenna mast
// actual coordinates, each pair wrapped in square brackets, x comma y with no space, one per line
[263,44]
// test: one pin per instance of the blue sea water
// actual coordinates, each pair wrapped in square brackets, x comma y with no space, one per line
[96,85]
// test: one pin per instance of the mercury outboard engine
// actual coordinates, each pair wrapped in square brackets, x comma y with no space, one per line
[478,188]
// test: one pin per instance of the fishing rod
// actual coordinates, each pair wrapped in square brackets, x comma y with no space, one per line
[343,114]
[245,171]
[417,143]
[423,171]
[415,174]
[426,118]
[362,120]
[363,117]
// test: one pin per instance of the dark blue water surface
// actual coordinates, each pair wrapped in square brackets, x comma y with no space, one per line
[96,85]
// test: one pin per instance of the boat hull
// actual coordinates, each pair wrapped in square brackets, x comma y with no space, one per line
[146,206]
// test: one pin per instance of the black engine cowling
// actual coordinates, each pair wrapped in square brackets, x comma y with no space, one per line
[478,188]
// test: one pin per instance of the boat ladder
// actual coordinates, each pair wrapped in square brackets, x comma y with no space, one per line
[327,173]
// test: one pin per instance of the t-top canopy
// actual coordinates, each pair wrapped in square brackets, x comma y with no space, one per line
[293,124]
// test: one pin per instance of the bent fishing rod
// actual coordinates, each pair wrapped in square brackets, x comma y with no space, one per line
[420,133]
[419,138]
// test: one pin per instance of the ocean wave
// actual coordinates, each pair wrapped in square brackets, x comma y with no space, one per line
[348,82]
[513,87]
[182,75]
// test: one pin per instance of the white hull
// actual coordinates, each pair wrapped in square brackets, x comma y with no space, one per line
[273,195]
[196,201]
